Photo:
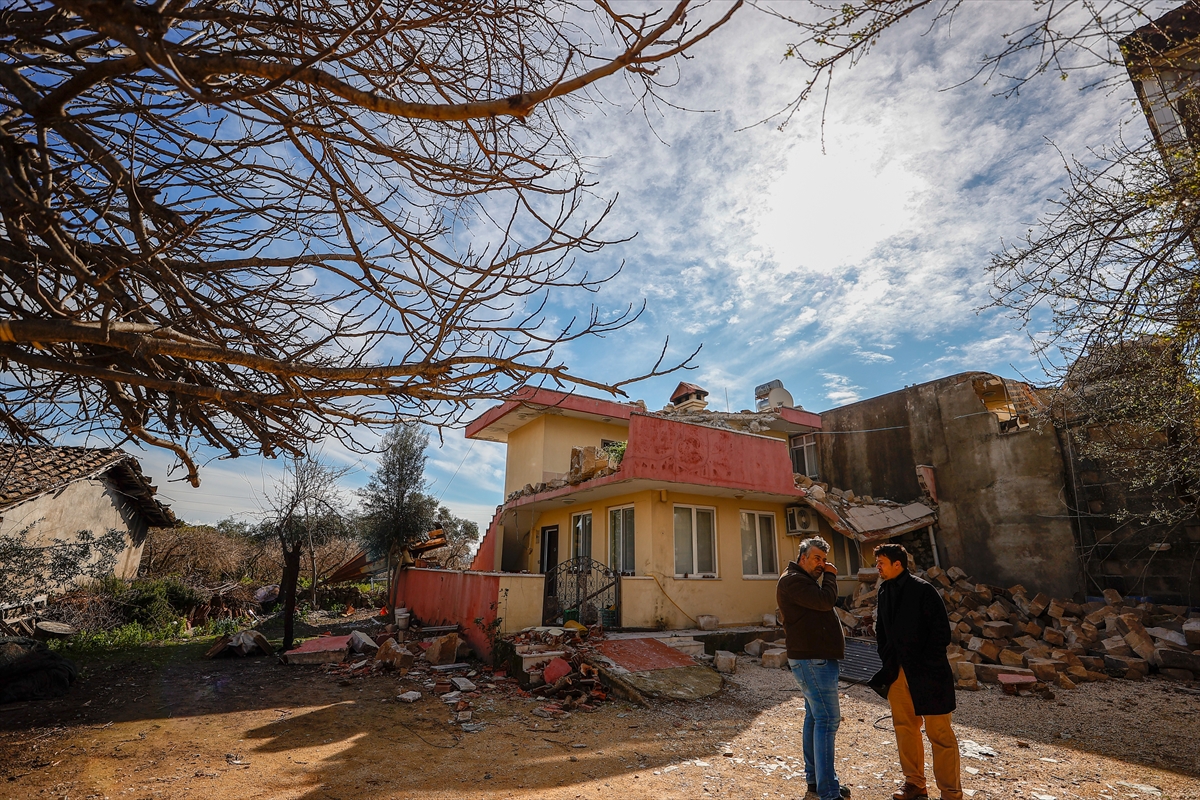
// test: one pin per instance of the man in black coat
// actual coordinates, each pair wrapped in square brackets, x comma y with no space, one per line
[912,631]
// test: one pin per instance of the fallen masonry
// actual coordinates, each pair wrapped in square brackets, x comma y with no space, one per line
[1046,642]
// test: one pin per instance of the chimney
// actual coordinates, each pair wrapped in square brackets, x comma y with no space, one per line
[689,397]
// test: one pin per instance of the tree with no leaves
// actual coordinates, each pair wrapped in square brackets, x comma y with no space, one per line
[306,510]
[1108,282]
[254,225]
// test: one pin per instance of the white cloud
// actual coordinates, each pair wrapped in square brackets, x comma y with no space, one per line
[872,357]
[839,389]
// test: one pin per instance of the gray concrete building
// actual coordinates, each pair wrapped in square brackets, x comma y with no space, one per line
[971,443]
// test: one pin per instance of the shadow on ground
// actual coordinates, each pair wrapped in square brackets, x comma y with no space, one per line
[321,736]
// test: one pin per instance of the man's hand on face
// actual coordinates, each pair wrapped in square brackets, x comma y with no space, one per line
[814,563]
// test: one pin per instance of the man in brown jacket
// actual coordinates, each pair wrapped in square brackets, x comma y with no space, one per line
[815,644]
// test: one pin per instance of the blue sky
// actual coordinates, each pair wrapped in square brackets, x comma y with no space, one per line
[846,270]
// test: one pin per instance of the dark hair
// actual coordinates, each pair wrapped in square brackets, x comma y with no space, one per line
[893,552]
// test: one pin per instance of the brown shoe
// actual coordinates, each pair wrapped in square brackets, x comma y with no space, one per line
[910,792]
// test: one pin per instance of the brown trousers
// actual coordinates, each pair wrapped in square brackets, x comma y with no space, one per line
[912,749]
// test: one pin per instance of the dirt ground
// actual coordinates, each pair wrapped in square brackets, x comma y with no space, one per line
[160,722]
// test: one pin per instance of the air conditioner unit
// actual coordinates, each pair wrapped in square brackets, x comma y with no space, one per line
[801,520]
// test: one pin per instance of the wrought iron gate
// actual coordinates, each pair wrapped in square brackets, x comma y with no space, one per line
[583,589]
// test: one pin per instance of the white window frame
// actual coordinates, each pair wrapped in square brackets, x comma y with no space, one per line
[575,540]
[806,443]
[622,568]
[695,541]
[757,516]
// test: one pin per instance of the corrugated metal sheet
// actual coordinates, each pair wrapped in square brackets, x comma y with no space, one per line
[861,662]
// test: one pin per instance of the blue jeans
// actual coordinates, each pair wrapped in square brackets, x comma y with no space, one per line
[818,679]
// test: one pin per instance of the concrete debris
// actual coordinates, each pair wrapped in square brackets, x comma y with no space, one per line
[392,656]
[1056,642]
[361,643]
[725,661]
[409,697]
[444,650]
[245,643]
[775,659]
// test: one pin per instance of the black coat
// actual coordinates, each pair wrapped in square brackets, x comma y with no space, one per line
[912,631]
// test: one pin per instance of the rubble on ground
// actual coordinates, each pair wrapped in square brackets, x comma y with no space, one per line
[1047,642]
[245,643]
[864,518]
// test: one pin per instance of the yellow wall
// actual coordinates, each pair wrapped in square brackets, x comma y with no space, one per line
[541,449]
[520,601]
[523,463]
[563,433]
[655,596]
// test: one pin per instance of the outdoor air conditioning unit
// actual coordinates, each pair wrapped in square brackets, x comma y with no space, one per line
[801,520]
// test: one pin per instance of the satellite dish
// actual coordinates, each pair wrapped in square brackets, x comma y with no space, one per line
[780,396]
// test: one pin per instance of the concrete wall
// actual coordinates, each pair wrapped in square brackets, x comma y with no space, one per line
[520,601]
[87,505]
[524,453]
[1001,512]
[540,450]
[449,597]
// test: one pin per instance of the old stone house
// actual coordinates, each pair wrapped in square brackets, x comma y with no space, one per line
[52,493]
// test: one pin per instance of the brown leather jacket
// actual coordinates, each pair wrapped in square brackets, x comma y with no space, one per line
[812,626]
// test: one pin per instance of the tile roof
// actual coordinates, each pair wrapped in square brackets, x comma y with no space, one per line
[27,471]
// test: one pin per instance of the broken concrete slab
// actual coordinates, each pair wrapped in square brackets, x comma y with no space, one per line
[322,650]
[409,697]
[362,643]
[684,644]
[990,673]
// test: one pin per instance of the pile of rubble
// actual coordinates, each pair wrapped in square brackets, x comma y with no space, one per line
[838,498]
[1006,636]
[556,663]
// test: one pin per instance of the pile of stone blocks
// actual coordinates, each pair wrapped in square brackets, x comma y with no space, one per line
[1012,631]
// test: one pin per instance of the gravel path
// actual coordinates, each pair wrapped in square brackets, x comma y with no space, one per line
[248,728]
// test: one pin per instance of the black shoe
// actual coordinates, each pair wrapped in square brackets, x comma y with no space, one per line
[845,790]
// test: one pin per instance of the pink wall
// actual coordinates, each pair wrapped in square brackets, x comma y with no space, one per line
[446,597]
[663,449]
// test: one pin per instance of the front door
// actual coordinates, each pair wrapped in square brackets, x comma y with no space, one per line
[549,560]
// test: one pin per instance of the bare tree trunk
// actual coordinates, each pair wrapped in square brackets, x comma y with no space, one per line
[312,561]
[291,575]
[391,605]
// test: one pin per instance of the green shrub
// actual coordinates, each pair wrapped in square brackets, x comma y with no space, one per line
[129,635]
[157,603]
[220,627]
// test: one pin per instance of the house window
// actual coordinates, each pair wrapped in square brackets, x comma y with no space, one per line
[758,544]
[804,455]
[581,535]
[853,562]
[695,542]
[620,540]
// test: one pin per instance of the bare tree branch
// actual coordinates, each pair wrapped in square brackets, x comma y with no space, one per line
[253,226]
